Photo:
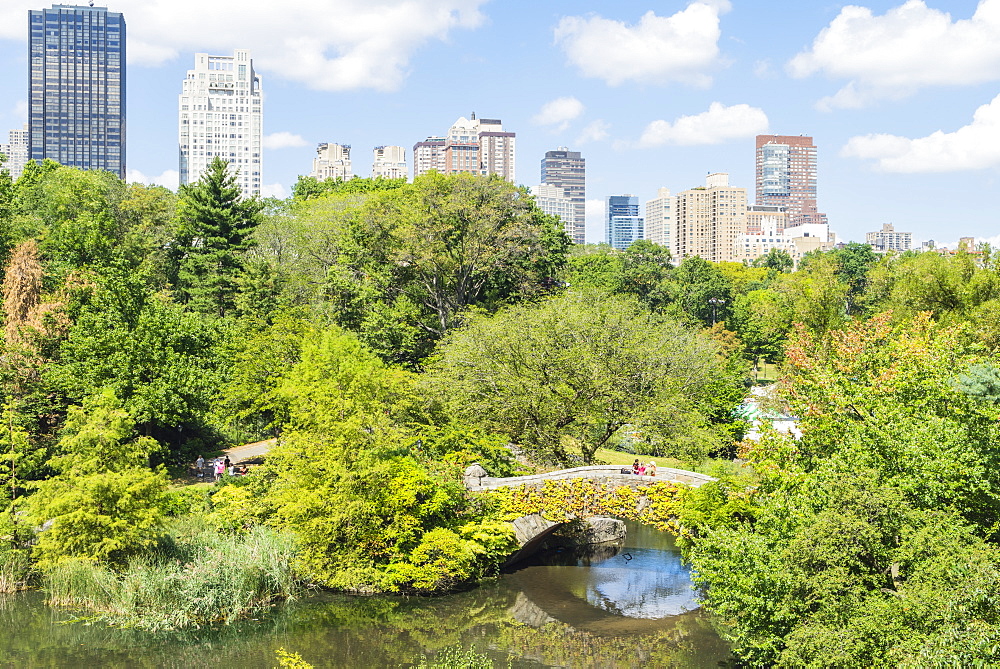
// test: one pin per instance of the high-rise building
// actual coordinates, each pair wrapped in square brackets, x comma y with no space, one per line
[567,170]
[474,146]
[622,223]
[887,239]
[553,201]
[786,177]
[659,226]
[332,161]
[16,150]
[709,220]
[76,88]
[389,162]
[221,114]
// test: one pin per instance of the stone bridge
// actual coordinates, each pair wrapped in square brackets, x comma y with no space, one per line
[603,481]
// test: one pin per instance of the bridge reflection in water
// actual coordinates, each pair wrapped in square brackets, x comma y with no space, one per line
[635,589]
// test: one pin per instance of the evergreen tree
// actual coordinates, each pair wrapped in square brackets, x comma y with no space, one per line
[215,226]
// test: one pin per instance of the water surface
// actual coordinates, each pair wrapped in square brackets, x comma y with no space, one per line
[633,608]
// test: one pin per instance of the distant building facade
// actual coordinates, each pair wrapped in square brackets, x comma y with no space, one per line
[76,87]
[472,146]
[567,170]
[389,162]
[16,150]
[709,220]
[762,216]
[796,241]
[622,223]
[554,202]
[786,175]
[332,161]
[221,115]
[887,239]
[659,224]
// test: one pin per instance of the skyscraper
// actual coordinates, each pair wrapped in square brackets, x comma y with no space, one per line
[709,220]
[76,88]
[659,225]
[16,150]
[473,146]
[622,224]
[786,177]
[389,162]
[567,170]
[332,161]
[221,114]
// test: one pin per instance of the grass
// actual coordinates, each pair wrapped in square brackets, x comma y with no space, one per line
[197,576]
[15,570]
[767,372]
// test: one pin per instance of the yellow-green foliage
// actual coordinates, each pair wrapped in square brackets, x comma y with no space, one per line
[105,502]
[288,660]
[368,514]
[565,499]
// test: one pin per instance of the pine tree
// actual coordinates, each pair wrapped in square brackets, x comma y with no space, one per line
[216,222]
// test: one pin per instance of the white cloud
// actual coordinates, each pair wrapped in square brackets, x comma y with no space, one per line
[169,178]
[594,213]
[325,44]
[274,190]
[595,131]
[718,124]
[658,49]
[909,47]
[559,112]
[283,140]
[971,147]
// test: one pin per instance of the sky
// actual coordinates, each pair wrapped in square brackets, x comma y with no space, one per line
[902,98]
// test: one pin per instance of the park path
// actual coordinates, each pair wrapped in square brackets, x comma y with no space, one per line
[245,452]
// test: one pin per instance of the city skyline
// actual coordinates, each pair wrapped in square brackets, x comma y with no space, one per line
[907,140]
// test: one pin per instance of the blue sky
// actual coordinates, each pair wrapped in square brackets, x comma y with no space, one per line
[899,96]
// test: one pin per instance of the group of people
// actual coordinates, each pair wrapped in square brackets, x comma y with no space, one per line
[644,470]
[218,467]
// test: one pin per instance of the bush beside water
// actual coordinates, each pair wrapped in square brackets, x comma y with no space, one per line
[192,580]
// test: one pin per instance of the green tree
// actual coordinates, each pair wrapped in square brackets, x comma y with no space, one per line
[104,502]
[576,369]
[215,228]
[776,259]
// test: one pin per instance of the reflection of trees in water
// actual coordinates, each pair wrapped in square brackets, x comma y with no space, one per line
[341,631]
[680,644]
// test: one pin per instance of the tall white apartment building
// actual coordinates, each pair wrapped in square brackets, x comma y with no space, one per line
[332,161]
[221,114]
[660,219]
[710,219]
[472,145]
[16,150]
[554,202]
[389,162]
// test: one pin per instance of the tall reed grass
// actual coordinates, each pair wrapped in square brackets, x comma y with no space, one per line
[191,579]
[16,572]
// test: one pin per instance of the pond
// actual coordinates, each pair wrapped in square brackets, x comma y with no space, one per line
[630,608]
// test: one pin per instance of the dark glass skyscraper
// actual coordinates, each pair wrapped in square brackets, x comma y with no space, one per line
[76,87]
[568,170]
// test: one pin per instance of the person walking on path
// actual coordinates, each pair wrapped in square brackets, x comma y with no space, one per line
[220,467]
[199,464]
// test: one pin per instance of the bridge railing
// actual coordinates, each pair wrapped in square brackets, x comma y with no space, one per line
[610,472]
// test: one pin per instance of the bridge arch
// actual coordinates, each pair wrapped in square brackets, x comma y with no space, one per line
[539,504]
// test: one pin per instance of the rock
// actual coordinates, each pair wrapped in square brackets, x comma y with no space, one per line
[604,530]
[473,475]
